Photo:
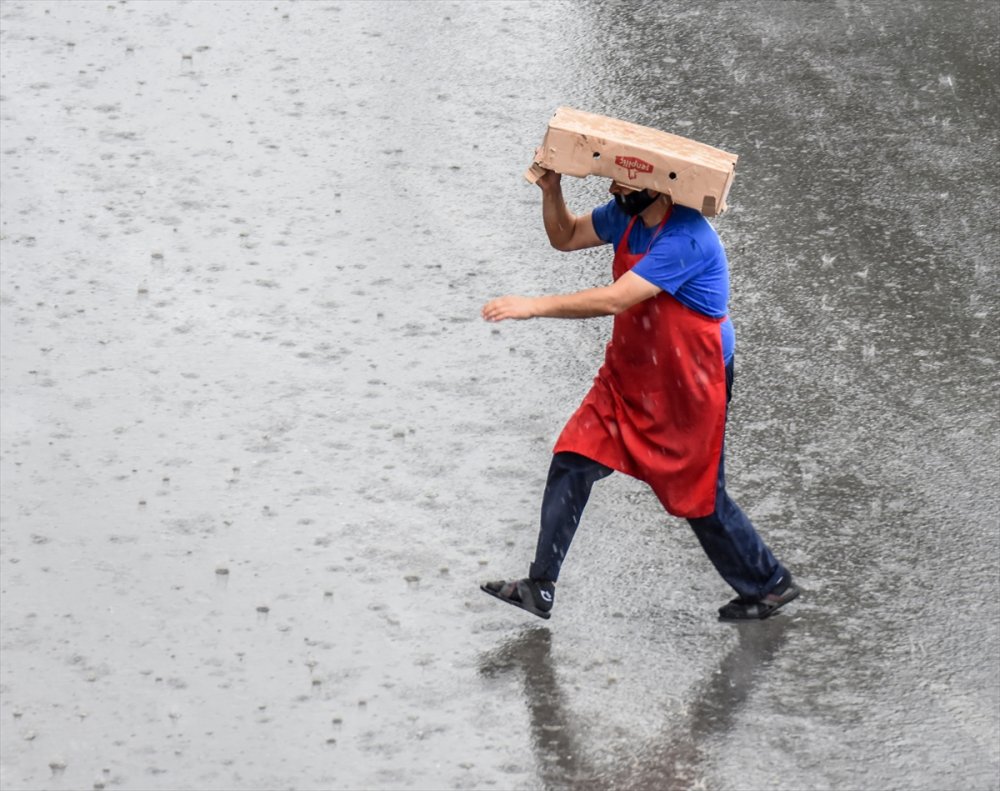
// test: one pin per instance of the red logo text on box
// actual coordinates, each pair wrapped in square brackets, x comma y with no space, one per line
[633,165]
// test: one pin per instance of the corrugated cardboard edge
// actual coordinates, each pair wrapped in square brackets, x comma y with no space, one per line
[533,173]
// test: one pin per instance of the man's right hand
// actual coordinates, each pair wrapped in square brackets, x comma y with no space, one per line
[550,181]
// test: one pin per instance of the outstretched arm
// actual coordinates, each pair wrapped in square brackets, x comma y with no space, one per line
[628,290]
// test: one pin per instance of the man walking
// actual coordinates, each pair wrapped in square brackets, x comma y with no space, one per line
[657,409]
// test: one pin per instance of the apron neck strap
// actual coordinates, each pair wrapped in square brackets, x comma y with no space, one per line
[623,244]
[659,228]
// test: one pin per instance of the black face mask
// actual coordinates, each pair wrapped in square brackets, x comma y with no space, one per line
[633,203]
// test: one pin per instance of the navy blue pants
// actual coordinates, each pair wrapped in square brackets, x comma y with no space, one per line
[727,535]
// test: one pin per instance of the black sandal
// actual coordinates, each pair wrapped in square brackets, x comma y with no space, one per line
[535,596]
[740,609]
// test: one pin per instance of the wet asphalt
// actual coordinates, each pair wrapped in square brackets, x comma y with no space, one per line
[259,450]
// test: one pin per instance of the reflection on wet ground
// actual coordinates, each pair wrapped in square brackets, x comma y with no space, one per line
[673,758]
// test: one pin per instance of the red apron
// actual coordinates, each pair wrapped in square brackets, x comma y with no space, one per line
[657,409]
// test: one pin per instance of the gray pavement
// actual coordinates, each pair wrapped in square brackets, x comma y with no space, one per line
[258,449]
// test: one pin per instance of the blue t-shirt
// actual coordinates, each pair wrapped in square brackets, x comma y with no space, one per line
[686,260]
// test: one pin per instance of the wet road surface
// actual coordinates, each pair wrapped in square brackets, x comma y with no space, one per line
[258,449]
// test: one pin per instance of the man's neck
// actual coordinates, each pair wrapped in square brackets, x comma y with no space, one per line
[654,214]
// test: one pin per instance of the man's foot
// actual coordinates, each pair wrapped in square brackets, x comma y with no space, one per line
[740,609]
[535,596]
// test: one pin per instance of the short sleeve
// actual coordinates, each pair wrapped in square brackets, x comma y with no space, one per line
[609,222]
[671,263]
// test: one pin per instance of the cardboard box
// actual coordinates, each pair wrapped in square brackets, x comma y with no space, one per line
[583,144]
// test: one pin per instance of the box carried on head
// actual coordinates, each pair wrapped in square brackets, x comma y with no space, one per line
[584,144]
